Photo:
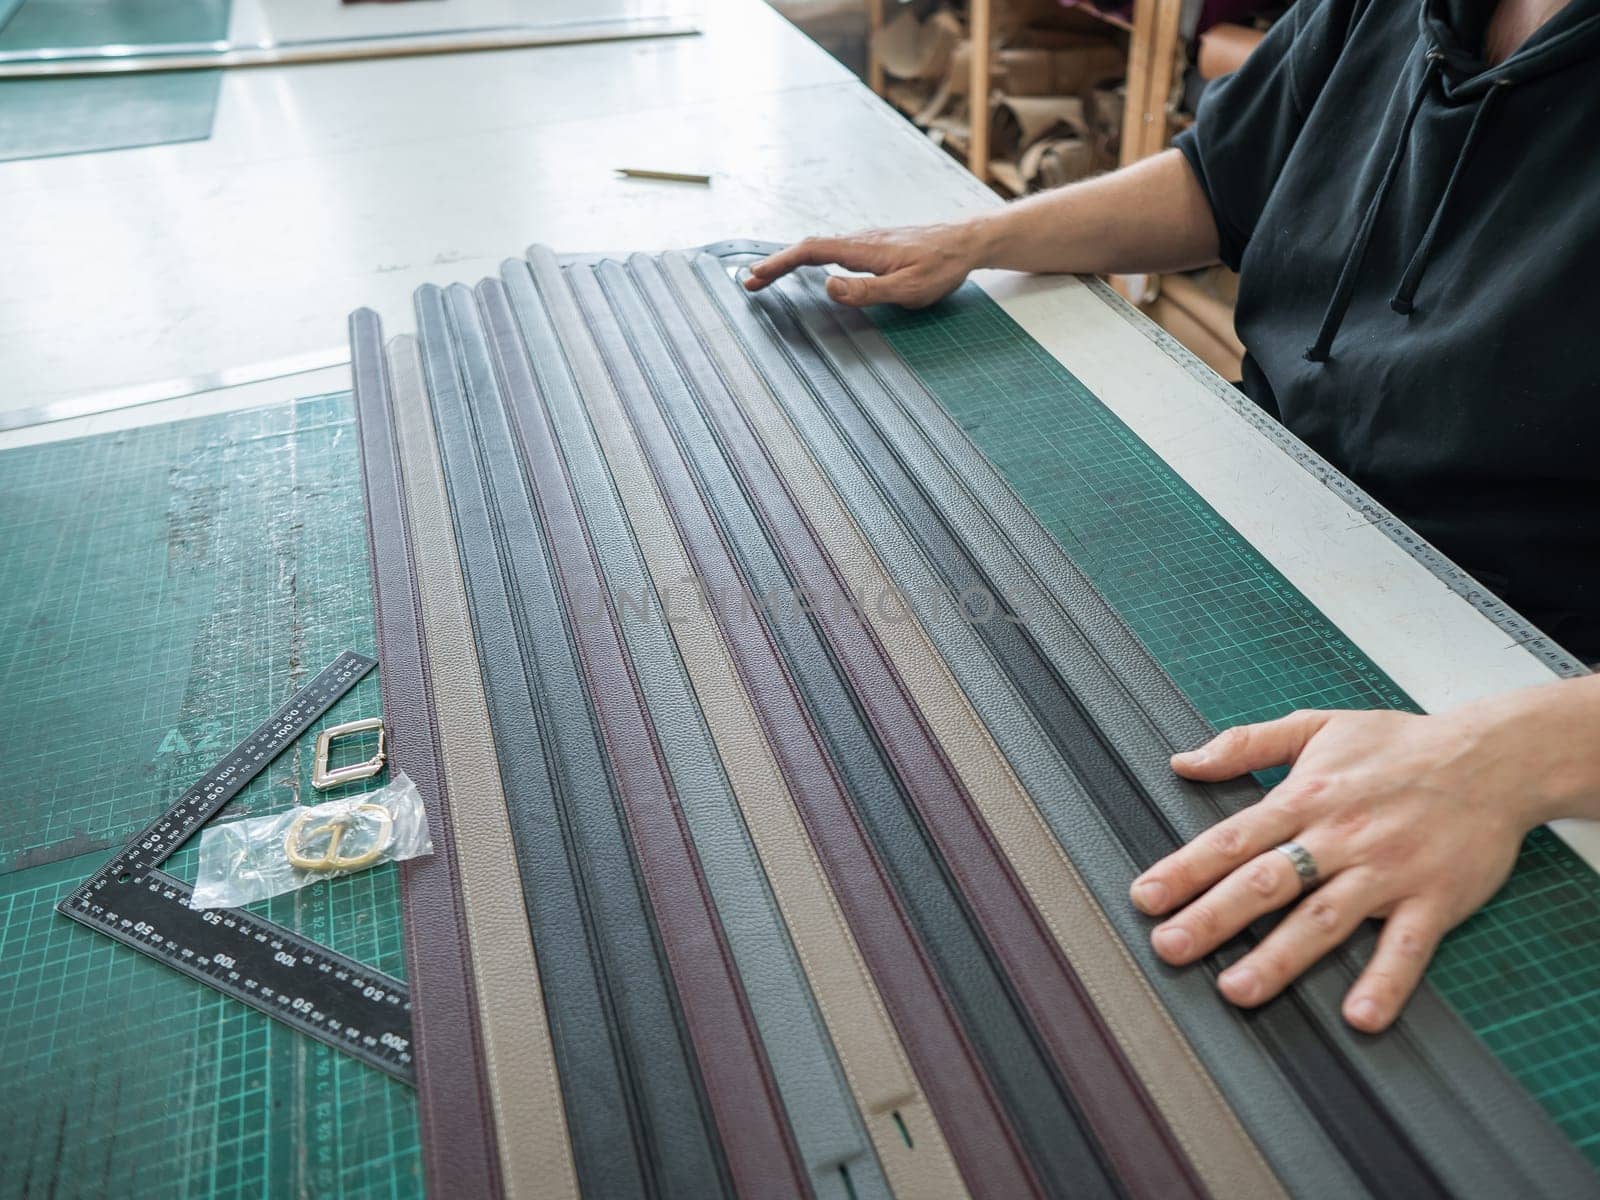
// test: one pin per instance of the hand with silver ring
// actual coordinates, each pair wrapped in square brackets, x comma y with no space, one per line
[1415,820]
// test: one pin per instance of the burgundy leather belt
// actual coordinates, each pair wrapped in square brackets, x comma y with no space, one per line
[462,1160]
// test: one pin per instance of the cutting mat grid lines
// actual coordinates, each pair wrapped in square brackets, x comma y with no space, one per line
[187,580]
[195,573]
[1245,645]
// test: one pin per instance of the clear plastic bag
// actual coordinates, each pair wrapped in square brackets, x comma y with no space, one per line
[249,860]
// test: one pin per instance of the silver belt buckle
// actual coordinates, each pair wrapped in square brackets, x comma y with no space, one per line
[322,778]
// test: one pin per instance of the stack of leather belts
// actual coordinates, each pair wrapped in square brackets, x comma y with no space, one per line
[789,779]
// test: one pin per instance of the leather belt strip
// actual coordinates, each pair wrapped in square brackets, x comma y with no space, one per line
[636,1114]
[1039,1108]
[892,453]
[903,684]
[462,1159]
[818,406]
[821,1109]
[535,1159]
[1457,1115]
[761,1154]
[982,1142]
[913,1152]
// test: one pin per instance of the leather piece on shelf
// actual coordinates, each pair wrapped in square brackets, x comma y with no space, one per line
[535,1159]
[966,794]
[1055,162]
[461,1158]
[1455,1121]
[636,1114]
[1017,122]
[979,1135]
[871,1054]
[911,48]
[889,442]
[761,1155]
[1017,696]
[815,1093]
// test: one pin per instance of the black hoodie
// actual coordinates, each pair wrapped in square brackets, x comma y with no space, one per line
[1418,240]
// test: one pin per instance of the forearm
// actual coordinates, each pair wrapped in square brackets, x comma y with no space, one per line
[1151,216]
[1556,726]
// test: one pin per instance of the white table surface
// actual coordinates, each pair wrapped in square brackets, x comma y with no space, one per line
[328,187]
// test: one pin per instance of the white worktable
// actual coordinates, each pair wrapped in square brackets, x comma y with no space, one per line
[324,188]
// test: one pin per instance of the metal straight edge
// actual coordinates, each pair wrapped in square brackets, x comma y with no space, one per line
[1522,631]
[134,395]
[205,56]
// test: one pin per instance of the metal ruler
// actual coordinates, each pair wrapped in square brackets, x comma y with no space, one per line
[324,995]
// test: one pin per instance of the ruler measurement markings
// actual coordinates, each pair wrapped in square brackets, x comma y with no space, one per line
[318,991]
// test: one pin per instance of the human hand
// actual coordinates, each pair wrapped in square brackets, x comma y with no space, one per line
[911,267]
[1413,819]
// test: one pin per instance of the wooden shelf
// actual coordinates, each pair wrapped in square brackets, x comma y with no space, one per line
[1152,63]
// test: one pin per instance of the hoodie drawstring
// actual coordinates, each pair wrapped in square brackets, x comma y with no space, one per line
[1407,290]
[1345,288]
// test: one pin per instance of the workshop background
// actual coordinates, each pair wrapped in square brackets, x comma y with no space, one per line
[183,524]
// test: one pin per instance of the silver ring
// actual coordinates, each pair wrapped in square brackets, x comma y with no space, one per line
[1304,865]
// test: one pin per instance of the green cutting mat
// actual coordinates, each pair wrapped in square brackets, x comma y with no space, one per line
[161,591]
[40,118]
[1245,645]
